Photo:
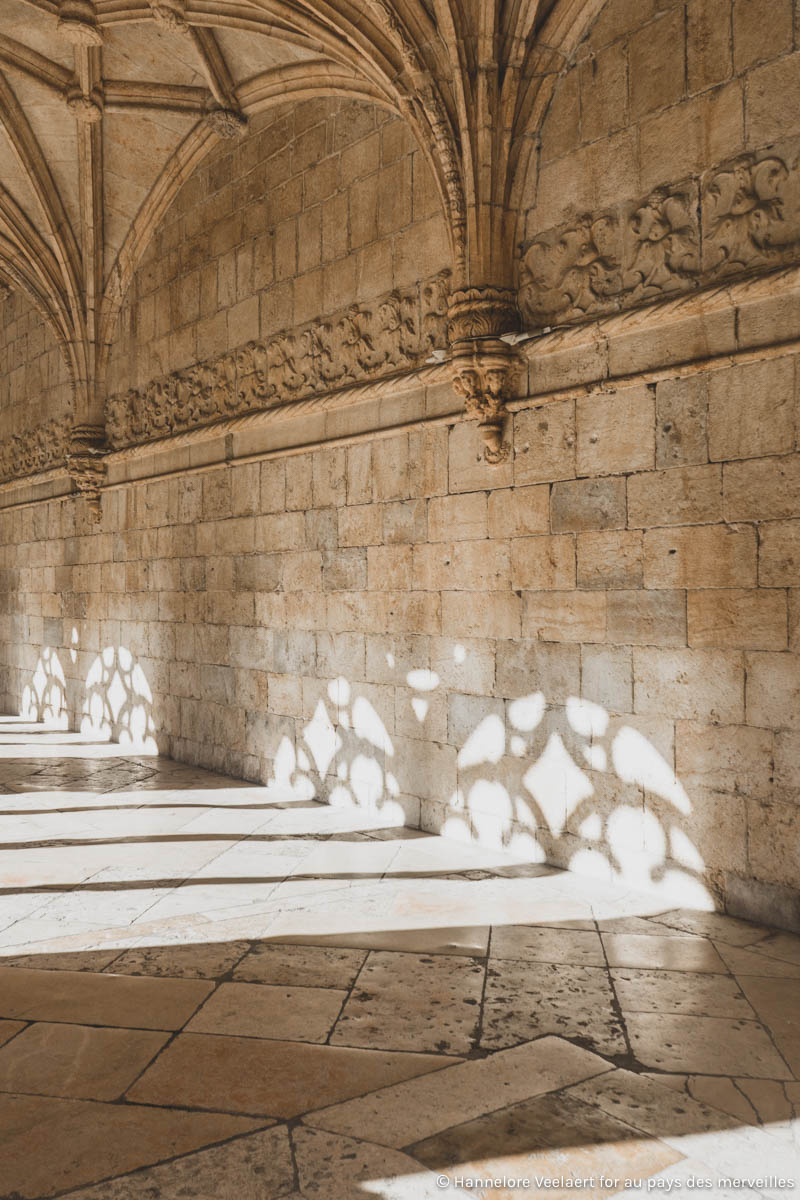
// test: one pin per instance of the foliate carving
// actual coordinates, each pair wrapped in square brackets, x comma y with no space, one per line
[86,463]
[227,122]
[751,215]
[571,271]
[78,24]
[34,450]
[748,210]
[662,253]
[484,373]
[397,332]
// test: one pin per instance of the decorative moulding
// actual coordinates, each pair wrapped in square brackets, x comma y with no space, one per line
[396,333]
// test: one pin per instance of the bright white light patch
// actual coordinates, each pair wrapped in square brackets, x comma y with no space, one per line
[526,713]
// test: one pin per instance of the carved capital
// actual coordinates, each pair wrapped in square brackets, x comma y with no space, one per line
[86,463]
[481,312]
[77,22]
[227,122]
[484,371]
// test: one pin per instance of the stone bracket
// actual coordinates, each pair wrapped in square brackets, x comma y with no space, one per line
[482,363]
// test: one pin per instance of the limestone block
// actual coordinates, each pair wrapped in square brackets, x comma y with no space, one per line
[543,563]
[301,571]
[616,431]
[359,473]
[544,443]
[481,614]
[647,618]
[757,39]
[604,88]
[700,556]
[701,685]
[250,648]
[329,478]
[524,667]
[257,572]
[773,690]
[321,529]
[294,652]
[772,842]
[678,496]
[762,489]
[270,487]
[452,518]
[420,717]
[279,531]
[469,566]
[607,677]
[787,766]
[405,521]
[299,490]
[779,554]
[389,567]
[519,512]
[724,758]
[464,664]
[657,64]
[766,118]
[708,44]
[466,713]
[412,612]
[392,657]
[360,525]
[588,504]
[610,559]
[560,131]
[424,769]
[751,410]
[344,570]
[754,619]
[565,616]
[468,471]
[341,654]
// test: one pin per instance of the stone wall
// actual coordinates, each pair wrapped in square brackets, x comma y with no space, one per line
[588,653]
[35,392]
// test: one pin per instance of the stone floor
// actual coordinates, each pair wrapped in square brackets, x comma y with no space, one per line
[211,990]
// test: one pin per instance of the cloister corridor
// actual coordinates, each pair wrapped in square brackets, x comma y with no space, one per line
[211,989]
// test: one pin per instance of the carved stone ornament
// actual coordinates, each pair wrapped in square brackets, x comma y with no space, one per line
[396,332]
[483,373]
[37,449]
[481,312]
[227,122]
[78,24]
[170,15]
[86,463]
[86,109]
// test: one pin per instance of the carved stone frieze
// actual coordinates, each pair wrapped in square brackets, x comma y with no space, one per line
[397,332]
[37,449]
[742,216]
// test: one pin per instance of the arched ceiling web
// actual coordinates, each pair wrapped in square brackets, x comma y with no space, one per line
[106,105]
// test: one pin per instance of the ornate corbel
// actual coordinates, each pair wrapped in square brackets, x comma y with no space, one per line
[86,463]
[483,365]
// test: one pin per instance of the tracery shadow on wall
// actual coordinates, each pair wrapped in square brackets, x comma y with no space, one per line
[113,704]
[554,780]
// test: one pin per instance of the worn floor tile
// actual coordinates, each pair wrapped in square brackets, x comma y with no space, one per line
[84,1061]
[777,1004]
[413,1002]
[258,1010]
[301,966]
[89,999]
[728,930]
[748,962]
[411,1111]
[525,1000]
[552,1137]
[679,992]
[704,1046]
[257,1166]
[332,1167]
[464,940]
[662,953]
[530,943]
[200,961]
[90,960]
[50,1145]
[280,1079]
